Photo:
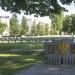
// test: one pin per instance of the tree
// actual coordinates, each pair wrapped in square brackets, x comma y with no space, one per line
[41,7]
[24,29]
[37,7]
[58,22]
[47,29]
[40,29]
[33,28]
[72,29]
[67,23]
[2,27]
[14,25]
[53,30]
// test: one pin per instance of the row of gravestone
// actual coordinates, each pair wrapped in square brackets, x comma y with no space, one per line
[36,39]
[23,39]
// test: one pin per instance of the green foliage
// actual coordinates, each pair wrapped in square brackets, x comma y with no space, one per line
[67,24]
[58,21]
[41,7]
[14,25]
[73,23]
[24,27]
[2,27]
[37,7]
[40,29]
[33,28]
[47,29]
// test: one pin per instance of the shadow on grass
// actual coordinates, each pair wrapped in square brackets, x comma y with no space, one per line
[11,64]
[13,61]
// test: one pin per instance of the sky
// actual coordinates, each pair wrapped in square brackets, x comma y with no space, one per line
[42,19]
[70,8]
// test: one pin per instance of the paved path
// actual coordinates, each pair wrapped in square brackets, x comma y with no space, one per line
[43,69]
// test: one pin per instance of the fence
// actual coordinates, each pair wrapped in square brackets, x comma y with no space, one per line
[54,54]
[61,60]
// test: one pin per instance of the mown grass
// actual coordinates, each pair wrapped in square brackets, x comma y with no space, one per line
[10,65]
[22,46]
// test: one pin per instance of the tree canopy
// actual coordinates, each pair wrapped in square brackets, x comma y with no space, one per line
[58,21]
[14,25]
[40,28]
[69,24]
[73,23]
[2,27]
[24,26]
[33,28]
[39,7]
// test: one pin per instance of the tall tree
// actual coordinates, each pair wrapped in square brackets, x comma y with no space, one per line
[2,27]
[73,23]
[24,26]
[47,29]
[58,22]
[14,25]
[40,29]
[67,24]
[33,28]
[41,7]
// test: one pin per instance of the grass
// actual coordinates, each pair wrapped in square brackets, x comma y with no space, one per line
[11,63]
[23,46]
[9,55]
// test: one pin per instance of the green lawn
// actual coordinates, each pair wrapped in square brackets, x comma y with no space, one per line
[11,63]
[23,46]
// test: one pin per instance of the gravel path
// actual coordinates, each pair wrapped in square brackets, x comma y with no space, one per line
[43,69]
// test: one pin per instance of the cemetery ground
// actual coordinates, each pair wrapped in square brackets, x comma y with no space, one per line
[24,58]
[15,57]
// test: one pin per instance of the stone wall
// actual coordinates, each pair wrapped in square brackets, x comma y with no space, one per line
[67,54]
